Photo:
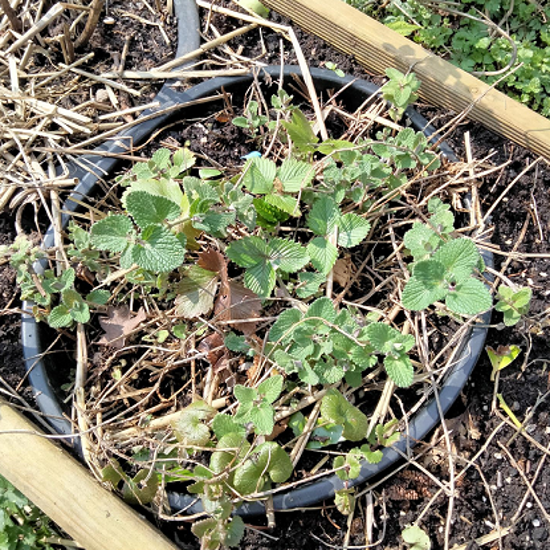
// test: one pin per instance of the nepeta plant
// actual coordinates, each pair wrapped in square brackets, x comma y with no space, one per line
[513,303]
[444,268]
[400,90]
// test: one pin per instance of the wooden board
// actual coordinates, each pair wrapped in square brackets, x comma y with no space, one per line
[376,48]
[67,492]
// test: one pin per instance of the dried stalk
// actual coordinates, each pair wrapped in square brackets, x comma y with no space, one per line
[9,12]
[91,23]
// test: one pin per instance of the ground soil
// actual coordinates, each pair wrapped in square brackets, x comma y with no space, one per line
[505,483]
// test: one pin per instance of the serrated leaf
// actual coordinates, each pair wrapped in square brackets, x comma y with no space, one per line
[99,297]
[224,424]
[387,339]
[248,251]
[161,157]
[260,279]
[237,344]
[147,209]
[190,425]
[421,241]
[60,316]
[159,250]
[323,308]
[235,528]
[260,175]
[328,372]
[460,257]
[294,175]
[300,132]
[323,254]
[284,325]
[344,501]
[399,369]
[286,255]
[309,283]
[271,388]
[469,298]
[262,417]
[215,223]
[112,233]
[352,229]
[324,216]
[195,292]
[287,204]
[426,286]
[244,394]
[337,410]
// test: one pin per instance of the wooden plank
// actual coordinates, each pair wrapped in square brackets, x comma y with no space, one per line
[67,492]
[376,48]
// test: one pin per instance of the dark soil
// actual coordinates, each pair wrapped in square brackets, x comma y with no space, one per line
[503,460]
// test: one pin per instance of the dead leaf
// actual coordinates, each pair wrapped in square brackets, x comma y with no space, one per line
[211,345]
[118,324]
[214,260]
[342,270]
[239,305]
[195,292]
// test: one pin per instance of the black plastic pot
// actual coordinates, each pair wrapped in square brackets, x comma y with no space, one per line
[419,426]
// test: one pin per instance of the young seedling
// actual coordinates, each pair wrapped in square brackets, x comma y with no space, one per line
[513,303]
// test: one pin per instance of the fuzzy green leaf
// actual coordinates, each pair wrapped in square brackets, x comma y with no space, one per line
[260,279]
[260,175]
[337,410]
[399,369]
[262,417]
[283,327]
[99,297]
[387,339]
[309,283]
[60,316]
[421,241]
[300,132]
[287,204]
[147,209]
[248,251]
[323,308]
[323,254]
[224,424]
[271,388]
[324,216]
[469,298]
[344,501]
[235,343]
[190,425]
[159,250]
[287,255]
[426,286]
[352,229]
[113,233]
[416,538]
[244,394]
[294,175]
[195,292]
[235,528]
[460,257]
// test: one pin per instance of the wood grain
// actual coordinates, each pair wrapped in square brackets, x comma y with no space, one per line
[376,48]
[66,491]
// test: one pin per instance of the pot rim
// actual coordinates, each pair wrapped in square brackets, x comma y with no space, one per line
[423,421]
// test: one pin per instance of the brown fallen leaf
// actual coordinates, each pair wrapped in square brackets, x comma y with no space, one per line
[342,270]
[214,260]
[239,305]
[118,324]
[211,345]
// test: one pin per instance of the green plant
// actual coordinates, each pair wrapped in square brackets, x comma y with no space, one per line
[22,525]
[513,303]
[224,293]
[253,119]
[444,267]
[416,538]
[467,33]
[400,90]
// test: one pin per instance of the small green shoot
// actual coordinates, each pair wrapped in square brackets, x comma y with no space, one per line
[400,90]
[513,303]
[416,538]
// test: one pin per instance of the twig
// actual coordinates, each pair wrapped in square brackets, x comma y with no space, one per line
[91,23]
[9,12]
